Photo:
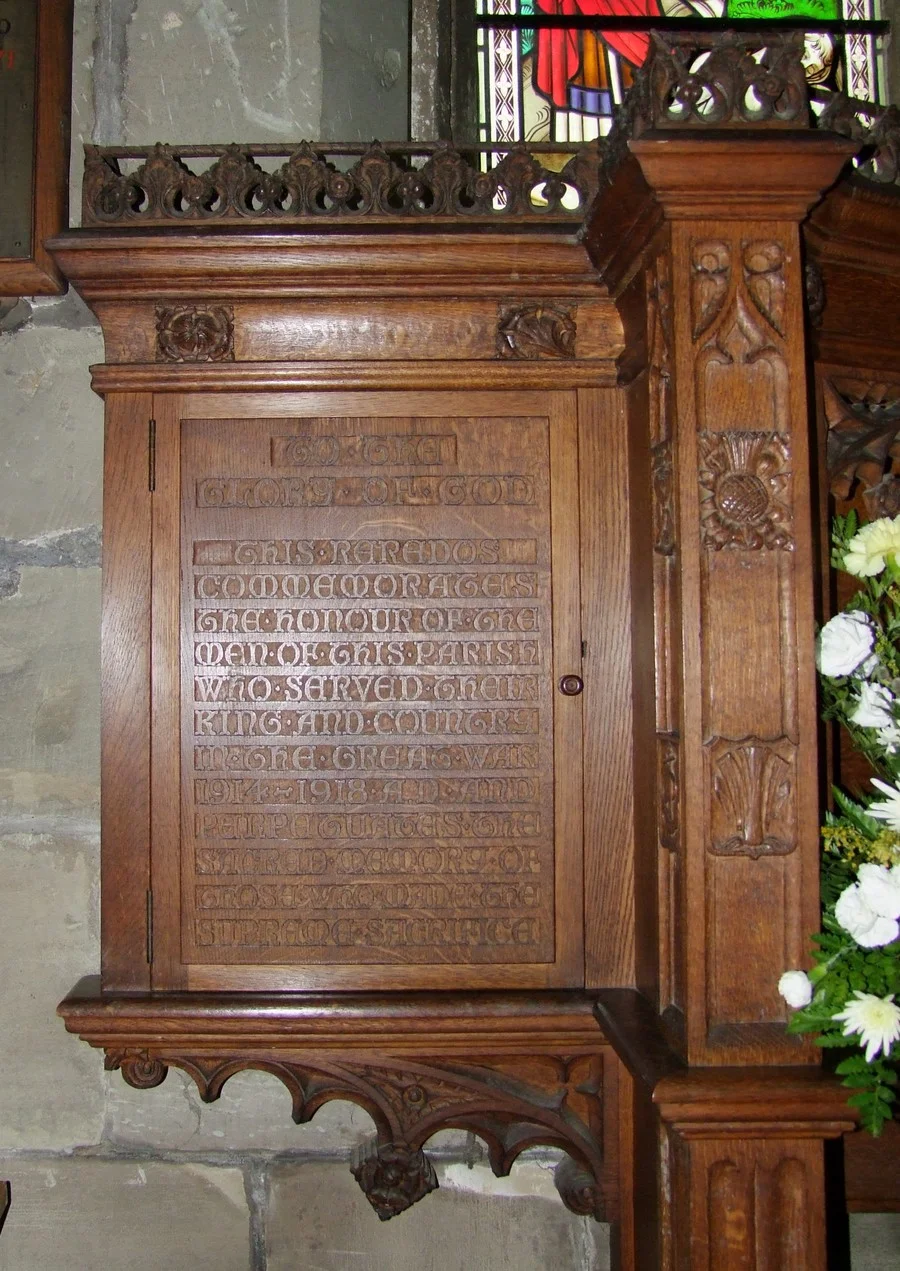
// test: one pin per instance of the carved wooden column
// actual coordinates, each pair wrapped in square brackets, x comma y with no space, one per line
[698,237]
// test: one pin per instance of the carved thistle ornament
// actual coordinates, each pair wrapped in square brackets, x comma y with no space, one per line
[744,490]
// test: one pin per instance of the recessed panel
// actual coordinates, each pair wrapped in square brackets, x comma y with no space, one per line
[367,691]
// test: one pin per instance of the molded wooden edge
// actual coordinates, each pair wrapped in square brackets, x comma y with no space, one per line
[857,222]
[261,377]
[313,1021]
[751,1102]
[742,176]
[122,264]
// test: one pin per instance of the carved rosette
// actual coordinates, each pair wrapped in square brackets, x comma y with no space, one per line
[536,331]
[410,1099]
[393,1176]
[193,333]
[751,784]
[745,490]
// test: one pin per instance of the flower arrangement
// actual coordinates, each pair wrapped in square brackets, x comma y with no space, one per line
[849,998]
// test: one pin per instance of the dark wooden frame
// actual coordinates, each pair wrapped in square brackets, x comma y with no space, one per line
[37,274]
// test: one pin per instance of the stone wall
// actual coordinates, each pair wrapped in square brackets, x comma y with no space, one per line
[104,1176]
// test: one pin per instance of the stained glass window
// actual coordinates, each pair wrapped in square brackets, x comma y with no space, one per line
[562,85]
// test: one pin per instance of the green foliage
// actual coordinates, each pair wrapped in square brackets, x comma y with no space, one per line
[851,837]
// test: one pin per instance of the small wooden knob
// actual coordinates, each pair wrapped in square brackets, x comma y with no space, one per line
[571,685]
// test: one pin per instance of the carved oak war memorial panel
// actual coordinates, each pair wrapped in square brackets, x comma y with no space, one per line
[368,694]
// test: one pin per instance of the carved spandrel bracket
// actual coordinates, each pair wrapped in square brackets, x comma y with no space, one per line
[410,1100]
[752,800]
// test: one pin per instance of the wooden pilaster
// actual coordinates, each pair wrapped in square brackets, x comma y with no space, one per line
[698,238]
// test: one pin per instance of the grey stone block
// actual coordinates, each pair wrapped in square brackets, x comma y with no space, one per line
[875,1242]
[318,1217]
[88,1215]
[212,72]
[49,701]
[253,1113]
[51,1095]
[51,431]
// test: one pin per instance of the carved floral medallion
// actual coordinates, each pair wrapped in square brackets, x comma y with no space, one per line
[193,333]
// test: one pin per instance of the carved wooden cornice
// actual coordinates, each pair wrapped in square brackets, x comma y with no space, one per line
[431,183]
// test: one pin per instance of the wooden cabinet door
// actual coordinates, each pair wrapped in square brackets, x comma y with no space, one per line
[365,773]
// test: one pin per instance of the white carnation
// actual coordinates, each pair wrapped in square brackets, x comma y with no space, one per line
[873,708]
[844,643]
[796,988]
[868,928]
[880,889]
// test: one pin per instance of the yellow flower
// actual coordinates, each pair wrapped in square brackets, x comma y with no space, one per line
[867,550]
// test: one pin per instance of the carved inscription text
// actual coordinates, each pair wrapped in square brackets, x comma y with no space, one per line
[367,703]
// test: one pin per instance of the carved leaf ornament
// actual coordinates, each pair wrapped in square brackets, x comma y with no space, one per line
[752,797]
[536,331]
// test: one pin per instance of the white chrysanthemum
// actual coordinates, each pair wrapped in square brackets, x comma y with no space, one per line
[844,643]
[867,551]
[887,809]
[867,928]
[796,988]
[879,887]
[889,738]
[873,707]
[875,1019]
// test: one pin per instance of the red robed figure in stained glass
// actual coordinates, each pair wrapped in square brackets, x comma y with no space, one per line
[559,53]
